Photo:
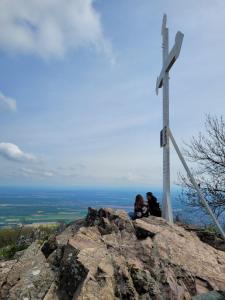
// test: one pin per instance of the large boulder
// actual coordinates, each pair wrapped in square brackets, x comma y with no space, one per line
[107,256]
[29,277]
[184,249]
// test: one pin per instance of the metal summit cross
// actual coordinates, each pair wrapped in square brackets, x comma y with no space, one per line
[169,59]
[166,135]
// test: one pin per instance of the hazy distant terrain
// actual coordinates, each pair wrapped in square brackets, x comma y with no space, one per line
[32,205]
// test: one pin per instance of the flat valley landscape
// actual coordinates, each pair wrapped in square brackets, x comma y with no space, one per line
[43,205]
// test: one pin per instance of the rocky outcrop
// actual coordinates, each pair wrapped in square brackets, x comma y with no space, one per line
[108,256]
[29,277]
[213,239]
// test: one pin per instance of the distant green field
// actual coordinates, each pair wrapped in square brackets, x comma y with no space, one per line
[41,217]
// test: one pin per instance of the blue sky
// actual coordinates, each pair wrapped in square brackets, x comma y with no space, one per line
[77,87]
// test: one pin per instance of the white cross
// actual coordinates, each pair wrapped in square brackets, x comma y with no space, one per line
[169,59]
[166,134]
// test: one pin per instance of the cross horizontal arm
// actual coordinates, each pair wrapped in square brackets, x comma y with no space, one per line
[171,58]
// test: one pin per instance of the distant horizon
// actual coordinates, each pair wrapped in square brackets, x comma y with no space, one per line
[26,205]
[88,187]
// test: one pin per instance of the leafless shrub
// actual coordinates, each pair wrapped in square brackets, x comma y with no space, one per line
[207,152]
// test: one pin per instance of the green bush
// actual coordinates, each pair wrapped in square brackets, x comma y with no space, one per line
[211,228]
[11,238]
[9,251]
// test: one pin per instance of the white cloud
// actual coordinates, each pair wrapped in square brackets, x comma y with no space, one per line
[43,171]
[50,28]
[40,172]
[7,103]
[72,171]
[14,153]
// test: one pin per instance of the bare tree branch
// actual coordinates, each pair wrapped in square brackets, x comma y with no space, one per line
[208,152]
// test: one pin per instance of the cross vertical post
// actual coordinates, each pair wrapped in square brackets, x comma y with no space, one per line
[167,209]
[168,59]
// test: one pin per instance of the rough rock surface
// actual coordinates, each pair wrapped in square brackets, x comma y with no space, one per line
[107,256]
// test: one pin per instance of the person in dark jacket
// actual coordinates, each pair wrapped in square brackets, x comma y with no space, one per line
[140,207]
[153,205]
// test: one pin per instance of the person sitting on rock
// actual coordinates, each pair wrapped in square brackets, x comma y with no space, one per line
[140,207]
[153,205]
